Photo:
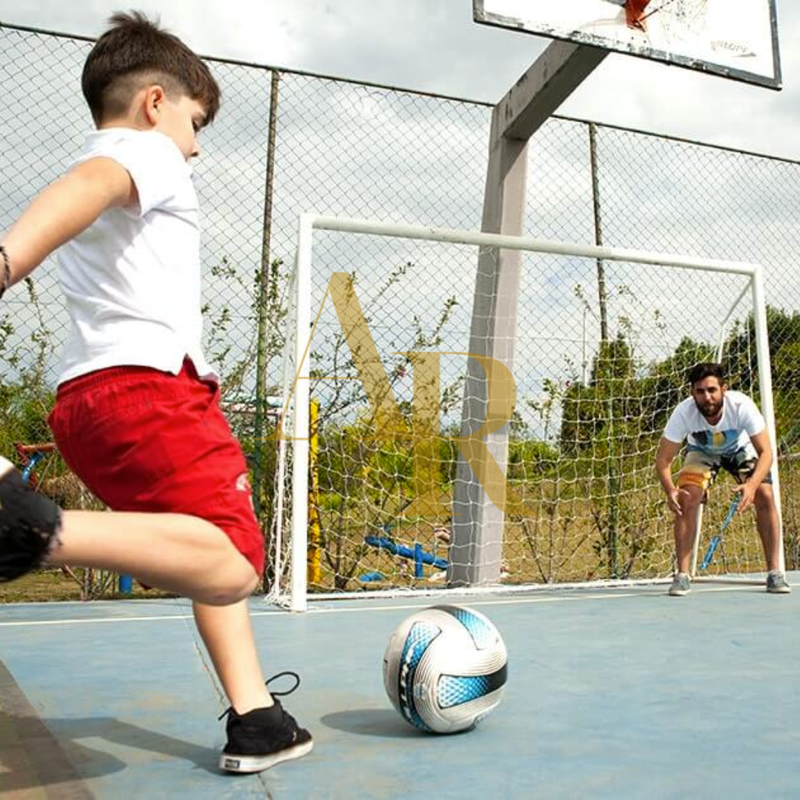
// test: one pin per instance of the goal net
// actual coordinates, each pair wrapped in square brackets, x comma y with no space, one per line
[374,379]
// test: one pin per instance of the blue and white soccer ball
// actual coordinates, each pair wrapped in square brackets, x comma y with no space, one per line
[445,668]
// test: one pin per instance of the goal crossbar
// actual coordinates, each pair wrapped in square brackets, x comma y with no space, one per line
[501,241]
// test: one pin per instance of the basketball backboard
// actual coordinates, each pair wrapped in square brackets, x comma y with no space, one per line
[733,38]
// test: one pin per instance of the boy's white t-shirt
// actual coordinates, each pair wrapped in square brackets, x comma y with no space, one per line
[740,420]
[132,278]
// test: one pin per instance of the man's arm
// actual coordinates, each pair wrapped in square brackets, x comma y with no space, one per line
[667,450]
[747,490]
[63,210]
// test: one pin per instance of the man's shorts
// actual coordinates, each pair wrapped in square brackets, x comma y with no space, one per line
[146,440]
[701,468]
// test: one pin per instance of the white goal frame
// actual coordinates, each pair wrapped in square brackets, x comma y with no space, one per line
[297,388]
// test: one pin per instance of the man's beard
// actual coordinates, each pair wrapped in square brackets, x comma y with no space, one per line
[709,409]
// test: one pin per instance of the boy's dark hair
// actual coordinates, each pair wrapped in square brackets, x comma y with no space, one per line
[135,52]
[708,369]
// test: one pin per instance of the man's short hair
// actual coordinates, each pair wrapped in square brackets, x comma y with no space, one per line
[135,52]
[708,369]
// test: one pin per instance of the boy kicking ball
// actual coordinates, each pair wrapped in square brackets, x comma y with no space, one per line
[137,413]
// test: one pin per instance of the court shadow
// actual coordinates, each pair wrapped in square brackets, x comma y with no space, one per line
[39,753]
[371,722]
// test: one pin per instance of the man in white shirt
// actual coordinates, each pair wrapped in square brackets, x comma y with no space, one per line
[723,429]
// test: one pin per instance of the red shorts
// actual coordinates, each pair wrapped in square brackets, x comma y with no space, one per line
[145,440]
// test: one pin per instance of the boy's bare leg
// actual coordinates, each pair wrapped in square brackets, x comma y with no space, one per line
[228,636]
[174,552]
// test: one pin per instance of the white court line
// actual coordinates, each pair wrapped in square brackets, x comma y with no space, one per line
[278,614]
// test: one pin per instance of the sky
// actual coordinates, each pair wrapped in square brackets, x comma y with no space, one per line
[434,46]
[726,210]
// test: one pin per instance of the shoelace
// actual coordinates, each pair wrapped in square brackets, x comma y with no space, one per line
[274,694]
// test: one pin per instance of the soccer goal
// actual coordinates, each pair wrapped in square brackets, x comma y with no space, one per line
[372,444]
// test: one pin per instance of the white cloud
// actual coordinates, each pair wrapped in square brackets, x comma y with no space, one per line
[437,47]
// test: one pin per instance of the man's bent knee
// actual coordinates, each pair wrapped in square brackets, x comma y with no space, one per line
[691,500]
[764,497]
[764,490]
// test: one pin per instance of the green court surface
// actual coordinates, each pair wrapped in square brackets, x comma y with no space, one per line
[623,693]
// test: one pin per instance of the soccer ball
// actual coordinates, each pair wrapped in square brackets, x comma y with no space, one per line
[445,668]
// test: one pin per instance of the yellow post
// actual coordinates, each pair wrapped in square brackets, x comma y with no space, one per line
[314,528]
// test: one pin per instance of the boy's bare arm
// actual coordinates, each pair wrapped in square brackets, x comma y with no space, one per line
[64,209]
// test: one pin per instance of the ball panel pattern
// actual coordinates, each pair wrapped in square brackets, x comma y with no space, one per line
[483,633]
[417,642]
[453,690]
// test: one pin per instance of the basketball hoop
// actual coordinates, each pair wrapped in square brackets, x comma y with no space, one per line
[635,13]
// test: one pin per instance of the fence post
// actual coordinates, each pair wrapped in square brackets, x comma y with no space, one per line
[263,300]
[606,352]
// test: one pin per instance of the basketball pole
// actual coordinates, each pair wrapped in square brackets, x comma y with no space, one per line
[476,547]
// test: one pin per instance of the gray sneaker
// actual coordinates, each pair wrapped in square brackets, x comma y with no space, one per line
[776,583]
[681,585]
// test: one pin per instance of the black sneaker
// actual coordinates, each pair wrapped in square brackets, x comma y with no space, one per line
[263,737]
[29,524]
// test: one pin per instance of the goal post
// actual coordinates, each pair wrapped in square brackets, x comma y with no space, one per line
[367,341]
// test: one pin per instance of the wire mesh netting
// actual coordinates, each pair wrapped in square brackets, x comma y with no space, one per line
[356,150]
[582,437]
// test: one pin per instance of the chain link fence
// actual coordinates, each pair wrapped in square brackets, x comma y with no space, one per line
[286,143]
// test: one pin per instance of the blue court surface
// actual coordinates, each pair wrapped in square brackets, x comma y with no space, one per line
[614,693]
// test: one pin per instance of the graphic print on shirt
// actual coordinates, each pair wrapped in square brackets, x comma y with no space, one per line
[715,441]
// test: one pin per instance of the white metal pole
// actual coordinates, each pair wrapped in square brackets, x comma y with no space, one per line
[765,384]
[698,526]
[423,233]
[723,328]
[282,421]
[300,434]
[584,361]
[280,499]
